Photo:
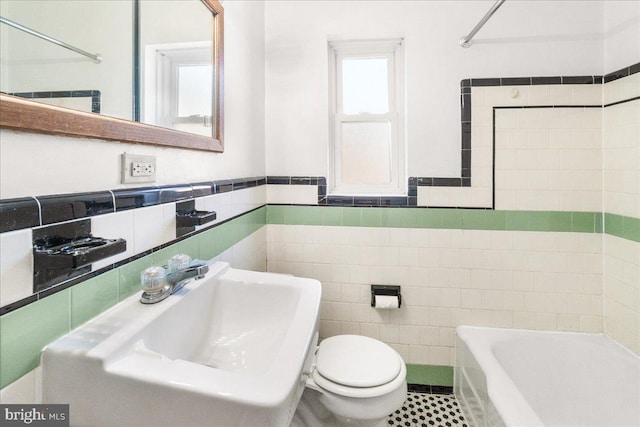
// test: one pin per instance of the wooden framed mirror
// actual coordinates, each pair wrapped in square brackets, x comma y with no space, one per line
[22,114]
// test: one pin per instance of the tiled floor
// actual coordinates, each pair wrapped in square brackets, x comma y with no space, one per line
[422,409]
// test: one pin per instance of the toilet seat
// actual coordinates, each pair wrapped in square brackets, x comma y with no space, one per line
[357,366]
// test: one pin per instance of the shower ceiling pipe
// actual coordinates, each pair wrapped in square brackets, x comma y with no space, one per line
[96,58]
[466,41]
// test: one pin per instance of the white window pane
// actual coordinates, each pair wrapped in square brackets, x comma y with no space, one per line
[365,86]
[194,90]
[366,152]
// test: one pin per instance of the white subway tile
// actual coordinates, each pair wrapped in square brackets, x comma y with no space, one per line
[16,266]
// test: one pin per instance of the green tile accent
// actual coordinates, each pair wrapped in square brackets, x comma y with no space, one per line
[207,243]
[129,276]
[538,221]
[614,224]
[452,218]
[583,222]
[275,214]
[92,297]
[430,375]
[162,256]
[432,218]
[371,217]
[188,246]
[599,222]
[447,218]
[332,215]
[477,219]
[352,217]
[399,217]
[622,226]
[25,332]
[515,220]
[312,215]
[294,215]
[560,221]
[631,228]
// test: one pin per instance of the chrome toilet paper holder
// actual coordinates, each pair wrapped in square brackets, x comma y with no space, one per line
[388,290]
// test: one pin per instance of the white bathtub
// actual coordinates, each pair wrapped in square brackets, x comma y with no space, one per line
[511,377]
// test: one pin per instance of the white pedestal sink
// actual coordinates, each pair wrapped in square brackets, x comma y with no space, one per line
[226,350]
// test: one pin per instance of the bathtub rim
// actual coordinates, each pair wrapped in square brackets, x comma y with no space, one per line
[479,340]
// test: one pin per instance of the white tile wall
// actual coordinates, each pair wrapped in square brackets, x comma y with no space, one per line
[532,280]
[16,266]
[528,130]
[621,153]
[625,88]
[549,159]
[114,226]
[622,291]
[153,226]
[622,158]
[298,194]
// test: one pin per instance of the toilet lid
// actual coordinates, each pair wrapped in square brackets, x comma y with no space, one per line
[357,361]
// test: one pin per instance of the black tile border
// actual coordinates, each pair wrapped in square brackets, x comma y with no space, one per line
[93,94]
[20,213]
[66,207]
[429,389]
[28,212]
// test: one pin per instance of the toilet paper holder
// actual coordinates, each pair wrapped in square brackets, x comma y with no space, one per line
[389,290]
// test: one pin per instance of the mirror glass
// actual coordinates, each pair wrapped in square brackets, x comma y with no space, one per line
[41,70]
[152,61]
[176,65]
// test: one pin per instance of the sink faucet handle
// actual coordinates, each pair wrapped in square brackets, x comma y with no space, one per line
[179,262]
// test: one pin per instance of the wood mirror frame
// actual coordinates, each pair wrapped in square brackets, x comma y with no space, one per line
[28,116]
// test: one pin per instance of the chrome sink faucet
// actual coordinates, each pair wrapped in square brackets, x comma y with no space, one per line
[160,282]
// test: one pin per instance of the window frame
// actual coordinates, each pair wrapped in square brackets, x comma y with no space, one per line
[393,50]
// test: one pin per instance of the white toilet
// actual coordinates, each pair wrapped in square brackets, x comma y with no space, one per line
[354,381]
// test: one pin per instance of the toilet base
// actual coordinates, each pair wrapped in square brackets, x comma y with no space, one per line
[312,412]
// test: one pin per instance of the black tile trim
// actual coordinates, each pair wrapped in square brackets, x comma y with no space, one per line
[93,94]
[91,274]
[624,101]
[65,207]
[28,212]
[296,180]
[429,389]
[17,214]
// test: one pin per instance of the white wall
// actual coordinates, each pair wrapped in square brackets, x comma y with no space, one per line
[622,34]
[534,38]
[32,164]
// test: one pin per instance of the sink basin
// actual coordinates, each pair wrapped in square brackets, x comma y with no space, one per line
[229,350]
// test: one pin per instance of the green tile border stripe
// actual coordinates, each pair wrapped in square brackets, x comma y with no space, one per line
[430,375]
[622,226]
[465,219]
[26,331]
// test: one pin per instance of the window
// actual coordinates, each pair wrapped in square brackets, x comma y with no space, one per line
[178,86]
[367,154]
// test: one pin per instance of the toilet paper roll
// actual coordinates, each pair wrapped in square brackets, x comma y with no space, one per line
[386,302]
